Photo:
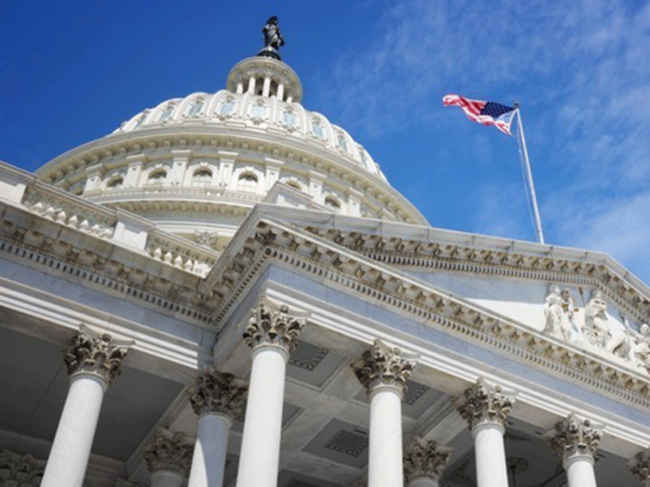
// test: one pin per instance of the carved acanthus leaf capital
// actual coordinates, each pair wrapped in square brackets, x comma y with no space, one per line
[384,365]
[640,467]
[573,436]
[170,452]
[424,458]
[16,469]
[95,353]
[485,403]
[271,323]
[216,392]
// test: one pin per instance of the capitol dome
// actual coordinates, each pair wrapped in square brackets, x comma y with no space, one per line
[197,165]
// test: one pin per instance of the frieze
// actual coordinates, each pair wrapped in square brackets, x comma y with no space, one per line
[274,243]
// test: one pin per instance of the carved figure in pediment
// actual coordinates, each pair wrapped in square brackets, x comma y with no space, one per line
[596,328]
[641,348]
[560,315]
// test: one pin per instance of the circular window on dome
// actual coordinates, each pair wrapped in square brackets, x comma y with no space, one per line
[202,177]
[157,177]
[247,182]
[196,108]
[167,112]
[114,183]
[227,108]
[289,119]
[317,129]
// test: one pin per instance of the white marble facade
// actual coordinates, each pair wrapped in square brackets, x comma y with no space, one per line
[243,300]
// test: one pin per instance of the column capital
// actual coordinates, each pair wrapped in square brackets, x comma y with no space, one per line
[573,437]
[216,392]
[424,458]
[485,404]
[170,452]
[273,324]
[640,467]
[96,354]
[17,469]
[384,365]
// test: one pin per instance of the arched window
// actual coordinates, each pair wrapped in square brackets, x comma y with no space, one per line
[166,113]
[227,108]
[289,118]
[247,182]
[332,203]
[196,108]
[117,182]
[316,128]
[202,177]
[158,176]
[343,144]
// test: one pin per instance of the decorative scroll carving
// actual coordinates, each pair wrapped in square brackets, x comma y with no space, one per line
[384,365]
[424,458]
[484,403]
[640,467]
[170,452]
[216,392]
[573,436]
[94,353]
[273,324]
[560,315]
[20,470]
[596,329]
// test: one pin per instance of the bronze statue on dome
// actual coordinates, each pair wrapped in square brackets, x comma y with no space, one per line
[273,39]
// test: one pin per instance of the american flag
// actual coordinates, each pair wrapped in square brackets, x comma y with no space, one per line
[484,112]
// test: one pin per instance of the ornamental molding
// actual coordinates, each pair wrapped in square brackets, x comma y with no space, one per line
[274,324]
[18,470]
[96,354]
[574,437]
[640,467]
[263,242]
[424,458]
[384,365]
[217,392]
[484,403]
[169,452]
[505,262]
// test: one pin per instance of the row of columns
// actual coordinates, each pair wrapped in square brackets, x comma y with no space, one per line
[93,362]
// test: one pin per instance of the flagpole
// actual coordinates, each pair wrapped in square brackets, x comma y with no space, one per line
[529,174]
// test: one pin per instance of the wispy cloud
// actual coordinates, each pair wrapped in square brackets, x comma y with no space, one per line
[583,69]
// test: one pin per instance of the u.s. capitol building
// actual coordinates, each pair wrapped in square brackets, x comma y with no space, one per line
[243,299]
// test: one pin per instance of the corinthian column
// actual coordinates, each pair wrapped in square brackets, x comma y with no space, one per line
[93,361]
[424,462]
[576,442]
[271,334]
[485,409]
[168,459]
[384,372]
[640,468]
[218,401]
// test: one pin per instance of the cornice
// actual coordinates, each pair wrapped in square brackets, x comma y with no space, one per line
[270,242]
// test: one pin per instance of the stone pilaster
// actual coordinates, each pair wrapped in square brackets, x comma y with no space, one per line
[484,403]
[640,467]
[273,324]
[573,437]
[216,392]
[169,452]
[95,354]
[424,458]
[384,365]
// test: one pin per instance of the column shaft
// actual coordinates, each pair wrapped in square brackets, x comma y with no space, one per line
[68,458]
[489,449]
[385,460]
[580,471]
[423,482]
[209,460]
[260,451]
[166,478]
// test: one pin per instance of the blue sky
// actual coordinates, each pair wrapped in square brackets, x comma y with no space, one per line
[72,71]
